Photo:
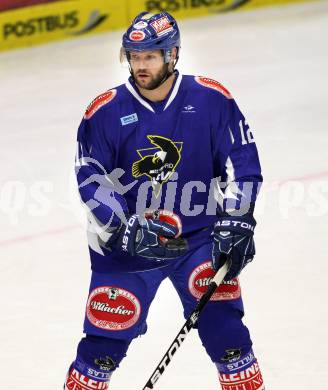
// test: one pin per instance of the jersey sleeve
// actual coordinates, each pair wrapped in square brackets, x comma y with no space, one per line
[97,180]
[236,162]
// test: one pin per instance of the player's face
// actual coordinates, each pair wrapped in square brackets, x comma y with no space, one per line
[148,68]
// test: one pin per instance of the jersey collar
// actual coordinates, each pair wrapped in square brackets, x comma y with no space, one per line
[131,87]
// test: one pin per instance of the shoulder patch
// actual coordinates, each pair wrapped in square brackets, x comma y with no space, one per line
[98,102]
[210,83]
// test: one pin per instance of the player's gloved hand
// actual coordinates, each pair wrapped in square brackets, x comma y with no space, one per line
[233,242]
[154,235]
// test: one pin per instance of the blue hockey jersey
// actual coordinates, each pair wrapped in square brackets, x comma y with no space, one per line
[192,153]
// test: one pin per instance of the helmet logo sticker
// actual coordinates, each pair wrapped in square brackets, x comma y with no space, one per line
[158,163]
[162,26]
[140,25]
[137,35]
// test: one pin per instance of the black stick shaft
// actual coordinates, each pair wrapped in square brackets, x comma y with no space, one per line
[188,325]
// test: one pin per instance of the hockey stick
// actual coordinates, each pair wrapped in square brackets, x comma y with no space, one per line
[191,321]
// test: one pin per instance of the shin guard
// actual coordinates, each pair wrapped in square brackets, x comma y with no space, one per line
[96,359]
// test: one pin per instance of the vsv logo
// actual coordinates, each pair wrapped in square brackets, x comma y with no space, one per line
[159,162]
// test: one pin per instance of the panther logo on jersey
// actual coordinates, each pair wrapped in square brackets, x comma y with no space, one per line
[159,162]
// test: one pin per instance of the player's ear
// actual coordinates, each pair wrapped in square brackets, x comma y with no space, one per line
[173,58]
[174,54]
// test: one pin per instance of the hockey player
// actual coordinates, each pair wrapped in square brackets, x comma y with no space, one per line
[168,171]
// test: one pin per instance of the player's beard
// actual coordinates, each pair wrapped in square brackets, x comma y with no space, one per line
[155,80]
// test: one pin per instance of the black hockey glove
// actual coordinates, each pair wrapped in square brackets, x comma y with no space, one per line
[154,236]
[233,241]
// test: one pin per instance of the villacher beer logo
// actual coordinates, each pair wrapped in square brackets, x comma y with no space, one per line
[112,308]
[201,277]
[137,35]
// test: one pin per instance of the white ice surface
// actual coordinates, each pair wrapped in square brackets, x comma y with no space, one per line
[275,63]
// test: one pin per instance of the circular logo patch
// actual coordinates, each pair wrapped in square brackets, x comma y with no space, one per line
[140,24]
[201,277]
[112,308]
[137,35]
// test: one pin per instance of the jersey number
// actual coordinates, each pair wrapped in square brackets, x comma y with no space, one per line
[246,136]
